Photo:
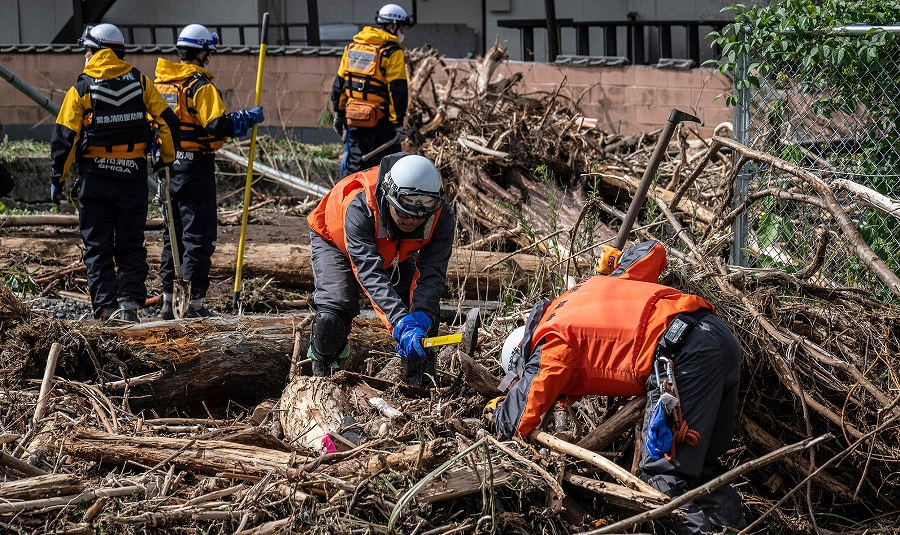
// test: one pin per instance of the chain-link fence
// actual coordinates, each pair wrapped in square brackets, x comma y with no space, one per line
[843,126]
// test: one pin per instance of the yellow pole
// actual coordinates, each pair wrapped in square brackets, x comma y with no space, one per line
[236,297]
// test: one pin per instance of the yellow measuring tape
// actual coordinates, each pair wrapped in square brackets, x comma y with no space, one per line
[442,340]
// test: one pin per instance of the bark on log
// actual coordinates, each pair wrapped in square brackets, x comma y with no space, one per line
[209,457]
[37,487]
[290,266]
[618,495]
[462,481]
[425,456]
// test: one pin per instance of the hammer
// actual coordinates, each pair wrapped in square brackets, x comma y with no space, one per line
[467,338]
[675,116]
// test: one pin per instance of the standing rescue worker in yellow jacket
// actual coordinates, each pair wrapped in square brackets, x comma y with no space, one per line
[370,93]
[624,335]
[106,124]
[187,87]
[385,230]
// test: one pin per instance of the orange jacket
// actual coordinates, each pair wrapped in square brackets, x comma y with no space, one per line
[328,221]
[600,338]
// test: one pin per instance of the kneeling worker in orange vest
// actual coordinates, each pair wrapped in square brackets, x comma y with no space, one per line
[623,335]
[388,231]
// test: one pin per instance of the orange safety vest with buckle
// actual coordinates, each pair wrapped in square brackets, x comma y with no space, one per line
[327,219]
[115,125]
[615,348]
[179,95]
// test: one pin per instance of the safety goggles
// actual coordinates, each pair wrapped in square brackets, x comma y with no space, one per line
[418,204]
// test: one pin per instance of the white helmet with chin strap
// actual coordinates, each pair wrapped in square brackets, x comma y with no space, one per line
[511,357]
[102,36]
[393,14]
[197,36]
[413,187]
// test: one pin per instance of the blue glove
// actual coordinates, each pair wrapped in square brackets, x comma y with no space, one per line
[56,192]
[243,120]
[409,333]
[659,436]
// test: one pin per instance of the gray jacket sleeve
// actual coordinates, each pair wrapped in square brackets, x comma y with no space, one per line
[359,226]
[432,266]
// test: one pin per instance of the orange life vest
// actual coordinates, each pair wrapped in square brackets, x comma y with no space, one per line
[180,97]
[611,327]
[327,219]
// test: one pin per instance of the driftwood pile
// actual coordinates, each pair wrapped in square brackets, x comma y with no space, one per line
[163,425]
[528,169]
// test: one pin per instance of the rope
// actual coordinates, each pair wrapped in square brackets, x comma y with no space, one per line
[681,431]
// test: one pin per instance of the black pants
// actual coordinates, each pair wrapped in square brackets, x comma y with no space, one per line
[194,206]
[361,141]
[112,213]
[707,373]
[338,291]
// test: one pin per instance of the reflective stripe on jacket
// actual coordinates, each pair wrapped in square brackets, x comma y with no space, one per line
[373,69]
[105,121]
[353,217]
[189,91]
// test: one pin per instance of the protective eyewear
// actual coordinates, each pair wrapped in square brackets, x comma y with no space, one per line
[86,35]
[419,204]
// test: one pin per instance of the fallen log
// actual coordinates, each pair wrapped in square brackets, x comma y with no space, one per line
[290,266]
[44,486]
[208,457]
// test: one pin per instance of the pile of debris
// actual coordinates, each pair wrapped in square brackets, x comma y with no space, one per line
[165,424]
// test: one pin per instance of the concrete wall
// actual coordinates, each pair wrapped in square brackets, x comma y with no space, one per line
[296,89]
[37,21]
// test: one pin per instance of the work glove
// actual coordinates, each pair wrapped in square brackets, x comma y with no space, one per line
[490,409]
[243,120]
[409,333]
[609,260]
[56,192]
[340,123]
[659,436]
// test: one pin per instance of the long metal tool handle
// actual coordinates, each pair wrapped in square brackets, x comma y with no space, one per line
[676,116]
[170,224]
[245,214]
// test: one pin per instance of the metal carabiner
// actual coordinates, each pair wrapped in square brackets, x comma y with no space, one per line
[669,401]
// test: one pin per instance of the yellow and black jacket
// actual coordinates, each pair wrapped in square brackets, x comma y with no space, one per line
[107,122]
[189,91]
[372,71]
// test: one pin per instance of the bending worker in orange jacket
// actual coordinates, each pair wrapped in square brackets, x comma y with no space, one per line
[623,335]
[388,231]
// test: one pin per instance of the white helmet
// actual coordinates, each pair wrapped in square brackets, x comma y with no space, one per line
[511,357]
[512,348]
[102,36]
[197,36]
[413,187]
[393,14]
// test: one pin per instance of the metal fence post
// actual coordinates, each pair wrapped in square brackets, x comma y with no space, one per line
[741,112]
